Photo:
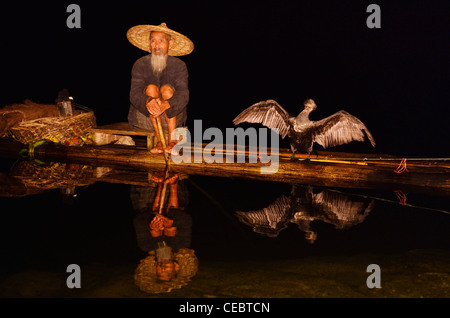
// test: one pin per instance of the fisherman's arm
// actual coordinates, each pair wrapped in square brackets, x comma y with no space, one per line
[180,98]
[137,91]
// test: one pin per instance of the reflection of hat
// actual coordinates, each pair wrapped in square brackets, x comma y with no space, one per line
[145,274]
[139,36]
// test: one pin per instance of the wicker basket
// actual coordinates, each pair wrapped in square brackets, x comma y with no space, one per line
[56,129]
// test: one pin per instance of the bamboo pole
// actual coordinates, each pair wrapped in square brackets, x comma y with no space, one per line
[164,189]
[163,138]
[339,157]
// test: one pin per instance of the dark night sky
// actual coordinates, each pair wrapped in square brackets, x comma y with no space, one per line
[395,79]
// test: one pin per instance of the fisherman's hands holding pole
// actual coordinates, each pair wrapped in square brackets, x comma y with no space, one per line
[156,107]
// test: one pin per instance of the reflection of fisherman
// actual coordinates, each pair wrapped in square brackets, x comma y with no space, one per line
[166,265]
[162,226]
[145,202]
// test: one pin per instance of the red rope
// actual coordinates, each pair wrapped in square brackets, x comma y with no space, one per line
[401,196]
[401,167]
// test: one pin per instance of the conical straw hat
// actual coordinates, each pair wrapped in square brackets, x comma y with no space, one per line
[139,36]
[145,274]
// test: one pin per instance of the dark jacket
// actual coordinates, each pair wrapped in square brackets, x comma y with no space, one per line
[175,74]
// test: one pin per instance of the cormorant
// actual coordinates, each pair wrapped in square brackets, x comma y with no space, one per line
[337,129]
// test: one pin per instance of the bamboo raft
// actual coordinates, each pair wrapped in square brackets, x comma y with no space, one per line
[333,169]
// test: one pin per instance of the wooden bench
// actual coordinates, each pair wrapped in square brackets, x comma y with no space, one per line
[111,133]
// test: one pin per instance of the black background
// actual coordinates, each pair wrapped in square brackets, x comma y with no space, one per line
[395,79]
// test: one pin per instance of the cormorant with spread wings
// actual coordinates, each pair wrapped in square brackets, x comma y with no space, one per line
[337,129]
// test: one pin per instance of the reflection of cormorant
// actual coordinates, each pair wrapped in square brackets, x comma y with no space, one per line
[270,220]
[304,206]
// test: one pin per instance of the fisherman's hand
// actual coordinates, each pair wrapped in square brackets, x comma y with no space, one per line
[156,109]
[164,106]
[159,177]
[154,106]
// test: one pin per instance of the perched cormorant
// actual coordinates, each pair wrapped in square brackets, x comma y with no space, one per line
[337,129]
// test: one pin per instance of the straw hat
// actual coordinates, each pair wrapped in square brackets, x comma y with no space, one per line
[139,36]
[145,274]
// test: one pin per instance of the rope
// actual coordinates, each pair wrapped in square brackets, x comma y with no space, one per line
[401,196]
[391,201]
[401,167]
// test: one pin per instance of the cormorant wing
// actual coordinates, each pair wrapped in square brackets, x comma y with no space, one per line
[268,113]
[269,220]
[340,128]
[341,210]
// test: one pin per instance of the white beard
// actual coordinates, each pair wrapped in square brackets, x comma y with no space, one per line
[159,63]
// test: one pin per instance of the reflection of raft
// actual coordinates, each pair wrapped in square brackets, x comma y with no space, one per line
[52,176]
[325,169]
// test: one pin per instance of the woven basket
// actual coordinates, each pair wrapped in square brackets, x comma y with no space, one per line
[56,129]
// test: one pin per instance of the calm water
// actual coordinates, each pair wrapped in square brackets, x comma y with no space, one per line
[234,237]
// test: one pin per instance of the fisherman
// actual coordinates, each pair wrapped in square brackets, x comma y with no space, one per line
[159,81]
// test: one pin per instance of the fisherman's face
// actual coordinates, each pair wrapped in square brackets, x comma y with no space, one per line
[160,43]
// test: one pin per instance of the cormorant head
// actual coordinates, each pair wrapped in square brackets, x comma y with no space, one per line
[310,104]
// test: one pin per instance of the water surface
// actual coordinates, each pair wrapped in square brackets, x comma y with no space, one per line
[246,238]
